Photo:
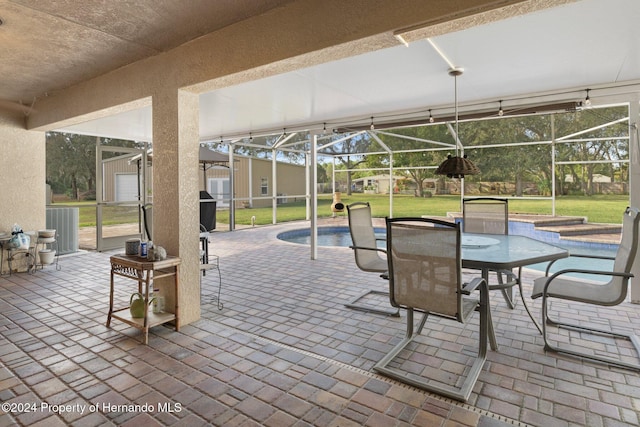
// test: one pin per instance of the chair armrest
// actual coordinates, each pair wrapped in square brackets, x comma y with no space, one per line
[594,272]
[551,278]
[366,248]
[546,273]
[591,256]
[473,285]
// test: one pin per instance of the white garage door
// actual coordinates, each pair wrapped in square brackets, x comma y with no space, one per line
[126,187]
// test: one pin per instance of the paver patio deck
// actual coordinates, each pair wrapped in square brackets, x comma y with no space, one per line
[283,351]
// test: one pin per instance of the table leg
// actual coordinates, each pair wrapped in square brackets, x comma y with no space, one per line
[526,307]
[508,297]
[177,309]
[505,288]
[1,257]
[145,323]
[492,336]
[110,302]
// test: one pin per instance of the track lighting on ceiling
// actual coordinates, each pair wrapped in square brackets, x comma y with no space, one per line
[372,127]
[500,110]
[431,119]
[455,166]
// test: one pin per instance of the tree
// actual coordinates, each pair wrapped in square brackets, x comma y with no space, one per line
[262,147]
[511,163]
[605,140]
[71,161]
[349,153]
[415,165]
[321,172]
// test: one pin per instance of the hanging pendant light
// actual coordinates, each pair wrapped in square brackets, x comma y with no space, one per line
[456,166]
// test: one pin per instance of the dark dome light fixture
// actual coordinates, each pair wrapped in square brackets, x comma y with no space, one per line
[456,166]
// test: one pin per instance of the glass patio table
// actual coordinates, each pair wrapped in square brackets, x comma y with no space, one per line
[489,252]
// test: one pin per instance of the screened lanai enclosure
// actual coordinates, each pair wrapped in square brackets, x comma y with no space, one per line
[542,114]
[534,154]
[383,118]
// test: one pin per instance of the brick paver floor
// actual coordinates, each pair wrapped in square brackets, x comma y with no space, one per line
[283,351]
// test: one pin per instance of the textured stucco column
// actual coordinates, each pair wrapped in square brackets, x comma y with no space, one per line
[175,194]
[23,171]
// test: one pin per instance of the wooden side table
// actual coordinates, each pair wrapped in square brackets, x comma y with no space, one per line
[144,272]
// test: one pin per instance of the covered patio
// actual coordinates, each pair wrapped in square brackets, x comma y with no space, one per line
[366,70]
[283,351]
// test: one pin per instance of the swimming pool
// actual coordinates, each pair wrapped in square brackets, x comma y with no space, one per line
[340,236]
[327,236]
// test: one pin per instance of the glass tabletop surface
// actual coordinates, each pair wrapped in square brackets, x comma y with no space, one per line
[506,251]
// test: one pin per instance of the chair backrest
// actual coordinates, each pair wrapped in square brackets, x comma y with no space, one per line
[424,265]
[363,236]
[488,215]
[626,251]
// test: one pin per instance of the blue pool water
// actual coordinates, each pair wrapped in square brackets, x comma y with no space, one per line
[327,236]
[340,236]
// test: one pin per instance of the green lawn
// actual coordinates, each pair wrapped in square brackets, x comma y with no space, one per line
[597,209]
[110,214]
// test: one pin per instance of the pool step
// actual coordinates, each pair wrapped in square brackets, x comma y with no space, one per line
[549,221]
[576,228]
[604,238]
[580,229]
[568,227]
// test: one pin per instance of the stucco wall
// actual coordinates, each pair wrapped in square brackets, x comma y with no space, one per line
[23,187]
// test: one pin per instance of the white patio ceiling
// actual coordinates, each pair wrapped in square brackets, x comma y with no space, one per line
[554,54]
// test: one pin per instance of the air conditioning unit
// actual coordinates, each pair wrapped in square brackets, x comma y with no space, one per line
[66,222]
